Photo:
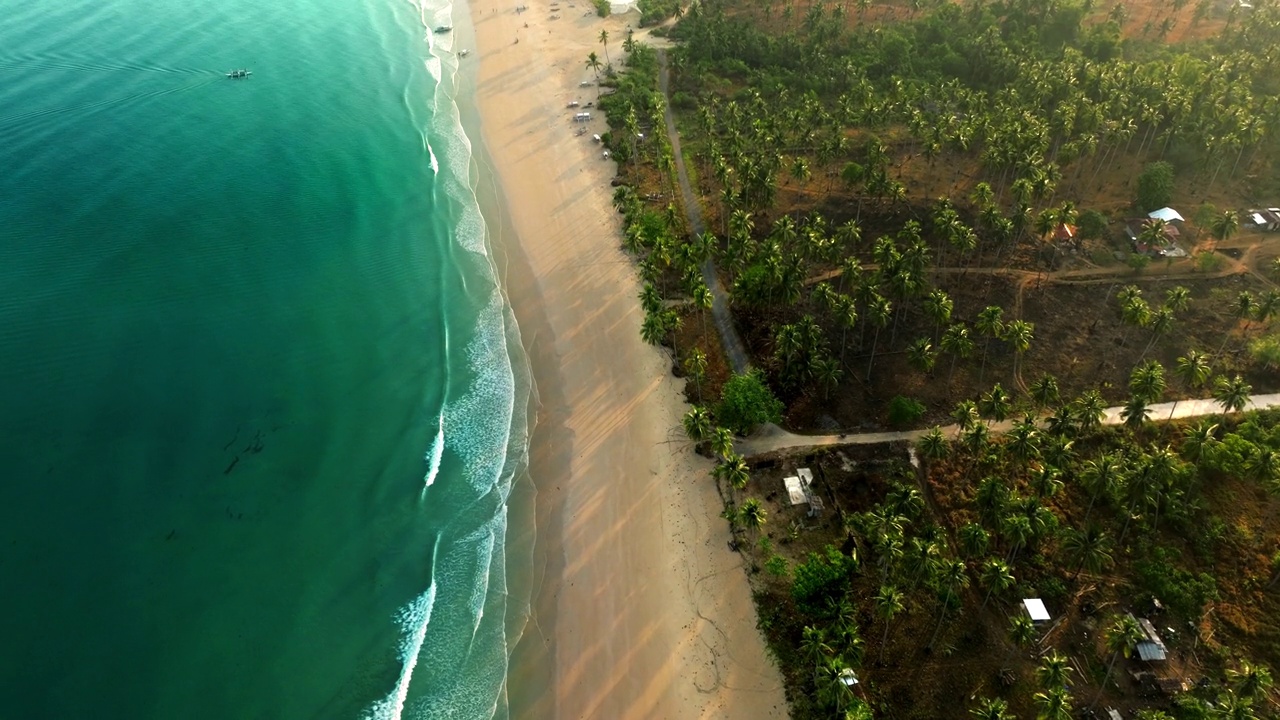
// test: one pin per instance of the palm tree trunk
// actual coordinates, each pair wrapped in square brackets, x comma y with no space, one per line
[1103,688]
[872,362]
[941,616]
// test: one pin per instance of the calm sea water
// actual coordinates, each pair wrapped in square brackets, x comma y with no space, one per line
[260,409]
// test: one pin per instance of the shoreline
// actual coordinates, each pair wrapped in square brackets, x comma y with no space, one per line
[637,607]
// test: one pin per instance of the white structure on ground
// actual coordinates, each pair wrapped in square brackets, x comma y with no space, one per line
[800,490]
[618,7]
[1166,214]
[1036,610]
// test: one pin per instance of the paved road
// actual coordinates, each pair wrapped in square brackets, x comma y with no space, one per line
[772,438]
[729,339]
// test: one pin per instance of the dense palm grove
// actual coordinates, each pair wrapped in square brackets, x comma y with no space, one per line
[882,201]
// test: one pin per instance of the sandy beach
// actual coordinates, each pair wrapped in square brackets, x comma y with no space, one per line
[640,610]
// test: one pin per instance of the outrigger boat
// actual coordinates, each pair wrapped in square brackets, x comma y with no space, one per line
[237,74]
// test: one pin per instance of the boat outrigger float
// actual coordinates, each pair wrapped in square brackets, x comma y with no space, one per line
[237,74]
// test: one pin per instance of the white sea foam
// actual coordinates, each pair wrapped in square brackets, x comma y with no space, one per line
[434,454]
[464,675]
[413,620]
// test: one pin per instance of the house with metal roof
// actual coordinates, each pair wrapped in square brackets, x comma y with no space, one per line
[1151,648]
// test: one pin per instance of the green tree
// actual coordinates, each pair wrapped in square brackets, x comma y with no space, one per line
[995,404]
[746,401]
[722,442]
[1053,704]
[1224,225]
[1044,392]
[992,709]
[1147,381]
[695,366]
[888,605]
[593,63]
[1087,549]
[697,424]
[753,514]
[734,470]
[1054,670]
[1193,371]
[996,577]
[1019,334]
[1021,631]
[933,444]
[1232,395]
[990,325]
[1155,186]
[1122,634]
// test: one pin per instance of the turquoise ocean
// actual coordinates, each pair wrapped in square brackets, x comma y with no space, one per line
[264,402]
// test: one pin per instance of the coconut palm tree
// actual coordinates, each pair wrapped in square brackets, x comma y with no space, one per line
[593,63]
[990,326]
[1232,395]
[938,307]
[814,647]
[1101,476]
[966,415]
[995,404]
[832,688]
[1197,438]
[1193,371]
[888,605]
[695,366]
[951,579]
[878,313]
[956,343]
[1135,413]
[1147,381]
[1090,408]
[1122,634]
[973,539]
[1224,225]
[1250,681]
[933,444]
[1021,631]
[1053,704]
[734,470]
[921,355]
[997,577]
[753,514]
[1160,322]
[991,709]
[1044,392]
[1088,549]
[604,40]
[1054,670]
[722,442]
[1019,334]
[697,424]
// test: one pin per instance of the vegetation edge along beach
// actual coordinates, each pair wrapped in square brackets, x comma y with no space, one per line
[968,215]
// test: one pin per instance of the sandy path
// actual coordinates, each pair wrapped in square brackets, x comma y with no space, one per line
[643,611]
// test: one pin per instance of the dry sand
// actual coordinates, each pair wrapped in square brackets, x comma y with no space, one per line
[642,610]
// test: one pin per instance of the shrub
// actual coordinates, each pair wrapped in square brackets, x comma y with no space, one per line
[1266,351]
[1155,186]
[777,566]
[602,7]
[746,402]
[904,411]
[1208,262]
[1093,225]
[822,577]
[1178,589]
[1138,261]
